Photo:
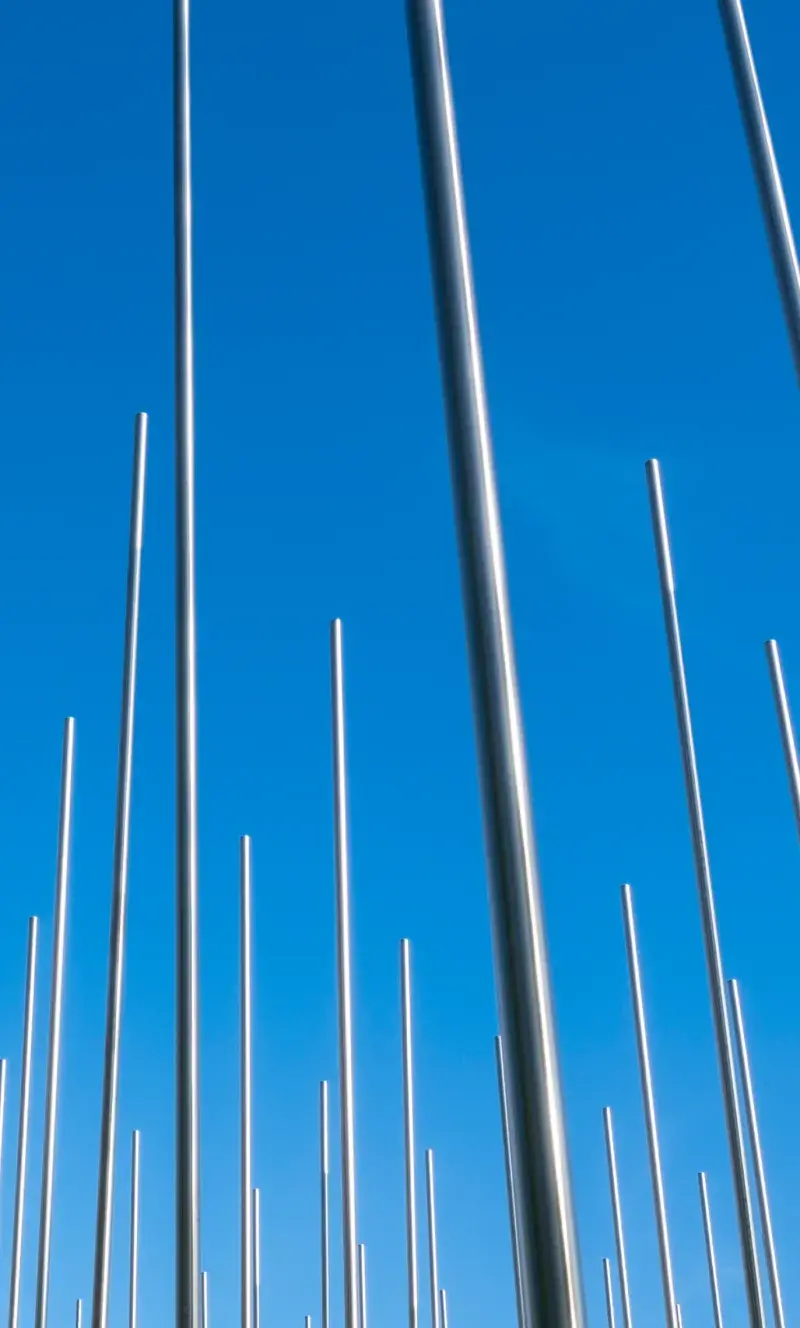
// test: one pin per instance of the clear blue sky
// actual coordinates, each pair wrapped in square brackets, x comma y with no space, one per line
[628,309]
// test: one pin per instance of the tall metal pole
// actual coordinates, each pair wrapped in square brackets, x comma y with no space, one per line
[765,169]
[619,1234]
[187,1253]
[24,1115]
[649,1109]
[433,1243]
[786,726]
[119,896]
[325,1220]
[245,873]
[443,1307]
[256,1259]
[362,1286]
[710,1254]
[510,1188]
[56,1009]
[345,990]
[548,1241]
[133,1303]
[707,905]
[410,1143]
[757,1156]
[609,1293]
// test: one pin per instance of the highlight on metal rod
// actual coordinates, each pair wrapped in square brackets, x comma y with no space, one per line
[710,1254]
[187,1128]
[204,1301]
[648,1097]
[362,1286]
[347,1112]
[133,1299]
[410,1141]
[510,1189]
[119,893]
[56,1011]
[762,1191]
[788,739]
[548,1240]
[24,1116]
[308,1321]
[256,1259]
[765,169]
[78,1313]
[433,1243]
[246,1052]
[325,1220]
[443,1306]
[609,1293]
[707,906]
[616,1205]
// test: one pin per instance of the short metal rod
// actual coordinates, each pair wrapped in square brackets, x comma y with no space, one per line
[410,1136]
[362,1286]
[788,739]
[710,1252]
[325,1221]
[616,1205]
[24,1119]
[204,1301]
[256,1258]
[133,1299]
[510,1187]
[443,1307]
[433,1242]
[246,1080]
[3,1084]
[609,1293]
[78,1313]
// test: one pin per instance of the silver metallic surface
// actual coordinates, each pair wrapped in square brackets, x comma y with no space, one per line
[609,1293]
[786,726]
[443,1307]
[133,1271]
[3,1084]
[510,1190]
[78,1313]
[246,1051]
[204,1301]
[433,1242]
[256,1259]
[708,1232]
[325,1214]
[24,1119]
[619,1233]
[410,1144]
[548,1240]
[362,1287]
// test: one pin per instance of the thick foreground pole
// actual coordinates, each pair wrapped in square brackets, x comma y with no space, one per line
[133,1299]
[246,1052]
[119,895]
[786,726]
[325,1218]
[56,1011]
[708,911]
[548,1241]
[710,1253]
[619,1231]
[433,1242]
[510,1188]
[410,1137]
[609,1288]
[24,1117]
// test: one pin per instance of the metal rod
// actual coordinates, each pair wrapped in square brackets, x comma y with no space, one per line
[679,1315]
[765,169]
[410,1144]
[308,1321]
[3,1081]
[119,894]
[362,1286]
[325,1220]
[433,1242]
[187,1280]
[645,1071]
[78,1313]
[609,1293]
[510,1188]
[619,1233]
[762,1191]
[710,1254]
[344,981]
[204,1301]
[707,905]
[443,1307]
[786,726]
[24,1117]
[56,1010]
[548,1240]
[256,1259]
[133,1303]
[245,872]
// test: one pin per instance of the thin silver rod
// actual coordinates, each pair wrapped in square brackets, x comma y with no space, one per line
[256,1259]
[187,1188]
[3,1082]
[325,1217]
[245,876]
[308,1321]
[762,1190]
[119,892]
[362,1286]
[548,1239]
[133,1301]
[78,1313]
[347,1112]
[24,1117]
[648,1097]
[619,1232]
[56,1011]
[433,1241]
[786,726]
[679,1315]
[443,1307]
[204,1301]
[609,1293]
[710,1253]
[410,1143]
[510,1187]
[765,169]
[707,906]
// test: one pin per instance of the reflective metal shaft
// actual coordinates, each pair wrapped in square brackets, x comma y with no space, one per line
[325,1218]
[3,1085]
[786,726]
[133,1299]
[410,1141]
[443,1307]
[609,1293]
[204,1301]
[619,1233]
[256,1259]
[510,1189]
[78,1313]
[24,1117]
[362,1287]
[433,1243]
[710,1253]
[246,1051]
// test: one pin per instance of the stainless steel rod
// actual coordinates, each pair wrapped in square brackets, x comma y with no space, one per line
[679,1316]
[325,1219]
[347,1111]
[648,1096]
[433,1242]
[443,1307]
[362,1286]
[410,1138]
[616,1205]
[3,1084]
[119,893]
[204,1301]
[24,1118]
[56,1011]
[548,1240]
[510,1188]
[786,726]
[78,1313]
[245,875]
[609,1293]
[256,1259]
[710,1253]
[133,1301]
[707,905]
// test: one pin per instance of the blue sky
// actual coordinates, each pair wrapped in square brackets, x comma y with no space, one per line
[628,309]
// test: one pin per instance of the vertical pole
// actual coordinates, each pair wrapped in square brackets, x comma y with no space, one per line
[204,1301]
[410,1144]
[619,1233]
[325,1221]
[78,1313]
[609,1293]
[256,1259]
[245,872]
[3,1079]
[344,977]
[119,894]
[133,1303]
[710,1254]
[24,1115]
[56,1010]
[443,1307]
[552,1282]
[510,1189]
[788,739]
[649,1109]
[707,905]
[362,1286]
[433,1243]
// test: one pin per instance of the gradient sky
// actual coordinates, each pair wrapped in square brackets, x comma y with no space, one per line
[628,309]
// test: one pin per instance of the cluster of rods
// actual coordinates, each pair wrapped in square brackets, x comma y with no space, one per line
[543,1235]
